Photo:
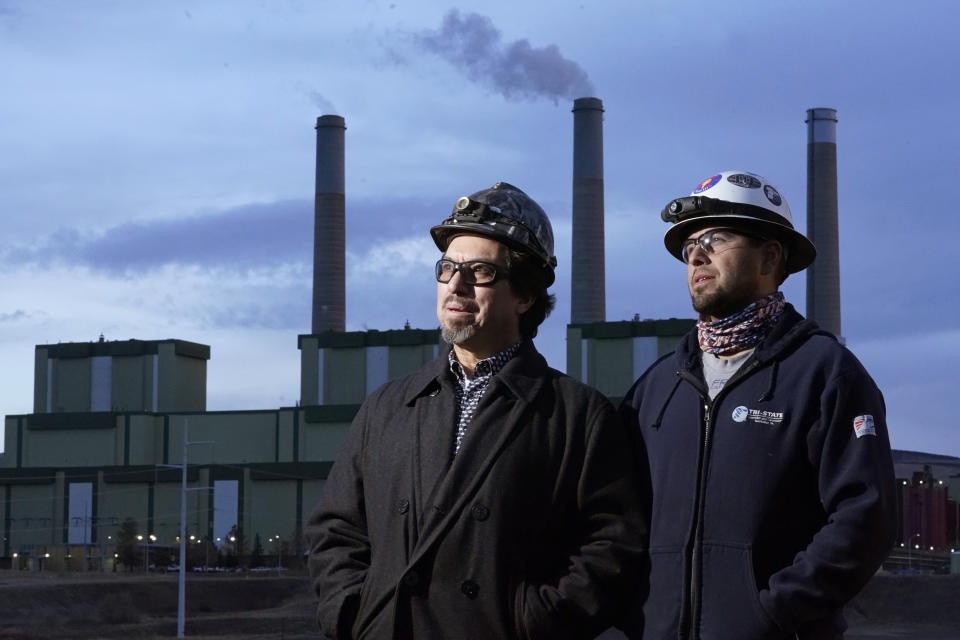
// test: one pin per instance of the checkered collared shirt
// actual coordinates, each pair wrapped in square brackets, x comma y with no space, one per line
[470,391]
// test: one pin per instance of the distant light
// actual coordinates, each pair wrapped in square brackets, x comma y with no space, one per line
[153,538]
[116,555]
[931,548]
[921,482]
[940,482]
[46,555]
[15,554]
[139,537]
[916,546]
[901,544]
[904,483]
[233,539]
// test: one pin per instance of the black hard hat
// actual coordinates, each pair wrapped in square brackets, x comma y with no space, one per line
[506,214]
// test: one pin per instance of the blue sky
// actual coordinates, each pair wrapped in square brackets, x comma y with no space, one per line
[156,165]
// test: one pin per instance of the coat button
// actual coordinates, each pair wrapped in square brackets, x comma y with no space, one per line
[411,579]
[403,505]
[470,589]
[480,512]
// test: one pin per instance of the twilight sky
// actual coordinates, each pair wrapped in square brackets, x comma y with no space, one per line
[157,165]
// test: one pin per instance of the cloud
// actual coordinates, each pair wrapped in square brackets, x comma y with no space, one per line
[240,238]
[516,69]
[8,11]
[399,258]
[19,314]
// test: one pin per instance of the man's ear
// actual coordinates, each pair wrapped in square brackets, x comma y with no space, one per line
[525,304]
[773,257]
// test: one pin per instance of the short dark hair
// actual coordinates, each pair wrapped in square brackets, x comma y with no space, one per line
[528,279]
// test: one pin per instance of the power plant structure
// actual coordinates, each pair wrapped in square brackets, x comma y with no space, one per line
[823,276]
[588,284]
[329,248]
[110,418]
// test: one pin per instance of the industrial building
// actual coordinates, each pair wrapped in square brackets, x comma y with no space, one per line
[112,420]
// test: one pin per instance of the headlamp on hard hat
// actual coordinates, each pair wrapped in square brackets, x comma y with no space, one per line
[467,209]
[688,207]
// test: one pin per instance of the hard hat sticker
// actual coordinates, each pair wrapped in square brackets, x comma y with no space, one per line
[743,180]
[706,184]
[772,195]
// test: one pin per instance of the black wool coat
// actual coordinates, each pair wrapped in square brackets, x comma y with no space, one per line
[532,530]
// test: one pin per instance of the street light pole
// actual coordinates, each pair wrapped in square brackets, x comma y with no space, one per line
[181,578]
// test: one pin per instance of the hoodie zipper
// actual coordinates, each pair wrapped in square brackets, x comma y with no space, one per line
[694,573]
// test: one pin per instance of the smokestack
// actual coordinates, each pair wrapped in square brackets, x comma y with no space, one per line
[588,295]
[329,300]
[823,276]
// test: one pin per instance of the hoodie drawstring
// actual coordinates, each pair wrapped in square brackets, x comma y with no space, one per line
[663,409]
[772,384]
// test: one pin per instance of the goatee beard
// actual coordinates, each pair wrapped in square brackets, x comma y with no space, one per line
[457,335]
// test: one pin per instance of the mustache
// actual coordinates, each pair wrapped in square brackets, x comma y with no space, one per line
[464,303]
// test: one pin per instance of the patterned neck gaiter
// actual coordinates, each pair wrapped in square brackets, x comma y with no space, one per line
[743,330]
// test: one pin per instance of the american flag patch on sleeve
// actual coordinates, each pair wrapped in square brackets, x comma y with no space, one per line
[863,426]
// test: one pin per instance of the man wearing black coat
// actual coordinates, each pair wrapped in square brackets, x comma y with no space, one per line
[485,495]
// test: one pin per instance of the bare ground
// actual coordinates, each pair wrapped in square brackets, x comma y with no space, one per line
[41,606]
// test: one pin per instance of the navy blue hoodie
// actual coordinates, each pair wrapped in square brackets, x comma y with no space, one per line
[770,506]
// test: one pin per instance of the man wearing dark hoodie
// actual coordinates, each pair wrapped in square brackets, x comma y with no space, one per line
[762,440]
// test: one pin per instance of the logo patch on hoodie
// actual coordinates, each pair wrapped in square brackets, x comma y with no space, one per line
[863,426]
[742,414]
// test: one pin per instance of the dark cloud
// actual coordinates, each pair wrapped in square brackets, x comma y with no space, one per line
[516,69]
[241,238]
[19,314]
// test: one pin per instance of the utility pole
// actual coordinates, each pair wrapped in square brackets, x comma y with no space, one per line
[181,579]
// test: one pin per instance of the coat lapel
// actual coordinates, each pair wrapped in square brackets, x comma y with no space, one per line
[499,418]
[436,431]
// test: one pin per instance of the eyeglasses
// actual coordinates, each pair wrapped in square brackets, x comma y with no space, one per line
[471,272]
[714,241]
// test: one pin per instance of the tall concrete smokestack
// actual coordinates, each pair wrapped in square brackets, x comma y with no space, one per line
[823,276]
[588,293]
[329,299]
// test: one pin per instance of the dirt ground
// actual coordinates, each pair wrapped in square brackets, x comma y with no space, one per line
[39,606]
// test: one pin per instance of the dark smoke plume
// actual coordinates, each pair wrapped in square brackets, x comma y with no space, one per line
[515,70]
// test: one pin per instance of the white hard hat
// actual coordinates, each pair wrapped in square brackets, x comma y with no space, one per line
[737,198]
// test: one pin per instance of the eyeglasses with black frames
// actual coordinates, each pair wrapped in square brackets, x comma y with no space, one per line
[471,272]
[714,241]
